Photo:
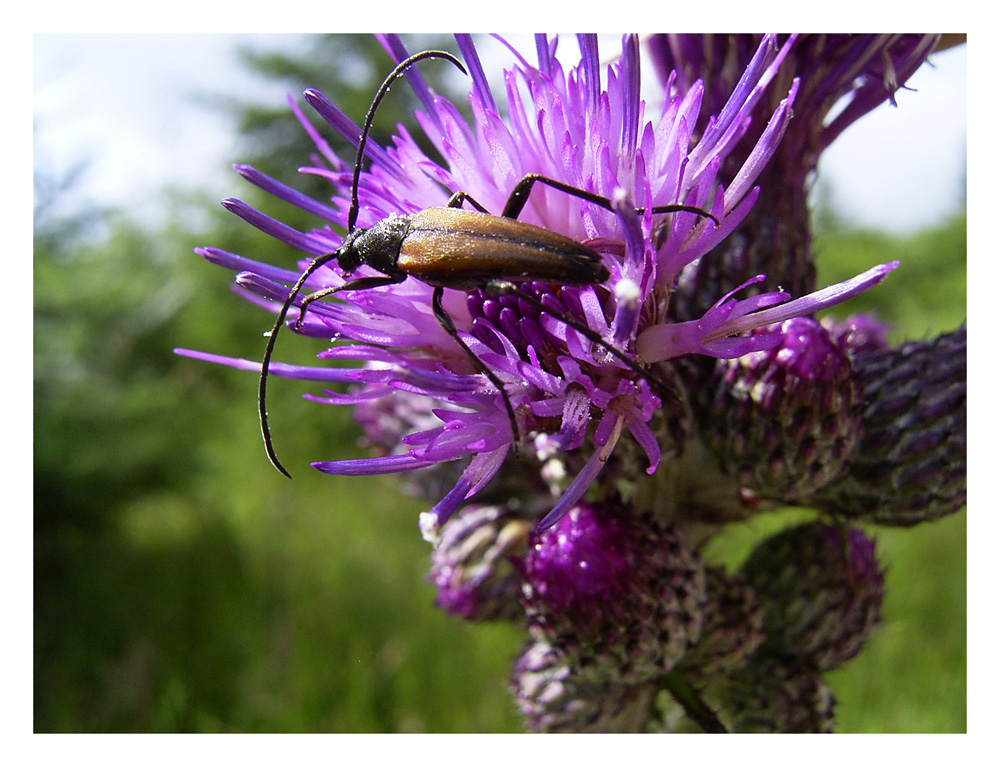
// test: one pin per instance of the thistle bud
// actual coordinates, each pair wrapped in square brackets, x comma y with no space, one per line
[783,422]
[472,567]
[910,464]
[772,695]
[733,626]
[821,589]
[551,698]
[616,592]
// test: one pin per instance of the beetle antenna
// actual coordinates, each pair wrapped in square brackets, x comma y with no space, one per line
[352,216]
[265,363]
[352,219]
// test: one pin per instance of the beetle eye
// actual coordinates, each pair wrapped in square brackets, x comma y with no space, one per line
[348,258]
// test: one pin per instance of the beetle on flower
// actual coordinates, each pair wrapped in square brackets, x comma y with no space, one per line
[574,368]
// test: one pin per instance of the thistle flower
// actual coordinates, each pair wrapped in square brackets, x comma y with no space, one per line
[585,135]
[841,78]
[620,475]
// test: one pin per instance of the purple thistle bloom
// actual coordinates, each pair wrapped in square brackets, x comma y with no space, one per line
[589,129]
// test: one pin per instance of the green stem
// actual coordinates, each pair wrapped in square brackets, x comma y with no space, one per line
[695,707]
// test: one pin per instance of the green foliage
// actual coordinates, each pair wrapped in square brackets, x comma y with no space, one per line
[182,585]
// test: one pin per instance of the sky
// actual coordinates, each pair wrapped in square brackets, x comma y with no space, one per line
[128,104]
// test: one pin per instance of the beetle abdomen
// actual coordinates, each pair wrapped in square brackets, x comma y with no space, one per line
[457,248]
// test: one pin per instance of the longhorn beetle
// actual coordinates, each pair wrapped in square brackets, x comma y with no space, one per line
[451,247]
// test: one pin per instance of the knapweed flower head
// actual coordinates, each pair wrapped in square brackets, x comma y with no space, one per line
[570,433]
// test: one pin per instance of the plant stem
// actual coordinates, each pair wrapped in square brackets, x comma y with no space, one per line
[693,705]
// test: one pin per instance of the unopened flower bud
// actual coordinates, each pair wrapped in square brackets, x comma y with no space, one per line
[774,695]
[472,568]
[552,698]
[821,588]
[615,591]
[733,626]
[783,422]
[910,464]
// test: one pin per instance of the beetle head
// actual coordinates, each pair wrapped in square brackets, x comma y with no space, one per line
[349,256]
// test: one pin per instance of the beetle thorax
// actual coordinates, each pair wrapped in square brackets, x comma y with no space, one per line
[377,246]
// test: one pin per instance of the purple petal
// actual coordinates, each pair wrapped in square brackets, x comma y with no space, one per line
[307,243]
[302,373]
[480,85]
[630,96]
[591,68]
[237,263]
[285,192]
[763,150]
[479,471]
[321,143]
[546,52]
[821,299]
[352,132]
[357,467]
[580,484]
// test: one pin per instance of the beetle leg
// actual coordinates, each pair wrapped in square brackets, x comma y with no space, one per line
[503,287]
[519,198]
[444,319]
[361,283]
[459,197]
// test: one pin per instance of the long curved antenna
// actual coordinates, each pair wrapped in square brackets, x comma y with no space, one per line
[352,216]
[265,364]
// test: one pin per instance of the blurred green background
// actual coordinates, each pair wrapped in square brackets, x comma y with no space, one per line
[180,584]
